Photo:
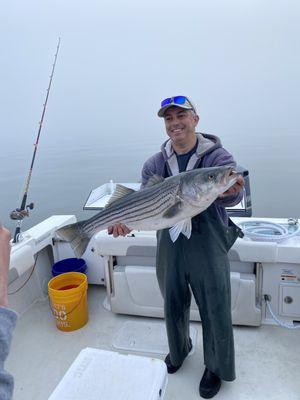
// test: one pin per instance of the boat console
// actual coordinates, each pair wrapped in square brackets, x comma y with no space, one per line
[257,269]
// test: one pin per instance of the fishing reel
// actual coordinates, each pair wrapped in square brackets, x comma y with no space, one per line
[19,214]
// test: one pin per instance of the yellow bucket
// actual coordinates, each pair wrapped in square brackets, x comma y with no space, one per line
[68,299]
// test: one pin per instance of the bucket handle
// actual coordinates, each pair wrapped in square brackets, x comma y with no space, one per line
[70,312]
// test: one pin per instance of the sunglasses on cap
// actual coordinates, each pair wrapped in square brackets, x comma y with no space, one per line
[180,100]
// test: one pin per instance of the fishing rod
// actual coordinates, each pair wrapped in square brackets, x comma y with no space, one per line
[19,213]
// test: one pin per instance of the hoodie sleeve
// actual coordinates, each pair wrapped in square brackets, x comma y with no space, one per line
[153,166]
[218,158]
[8,320]
[147,172]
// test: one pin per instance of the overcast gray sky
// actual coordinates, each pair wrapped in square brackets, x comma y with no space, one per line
[238,60]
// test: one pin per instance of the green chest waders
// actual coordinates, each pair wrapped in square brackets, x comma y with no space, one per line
[199,264]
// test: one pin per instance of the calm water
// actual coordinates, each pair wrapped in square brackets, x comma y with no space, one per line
[65,174]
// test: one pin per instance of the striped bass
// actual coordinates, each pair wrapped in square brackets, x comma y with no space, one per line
[163,203]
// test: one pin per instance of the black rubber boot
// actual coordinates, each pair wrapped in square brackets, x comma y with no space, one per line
[210,384]
[172,368]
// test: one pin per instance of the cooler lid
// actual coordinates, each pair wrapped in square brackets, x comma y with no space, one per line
[110,375]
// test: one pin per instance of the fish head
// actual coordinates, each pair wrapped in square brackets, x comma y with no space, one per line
[206,184]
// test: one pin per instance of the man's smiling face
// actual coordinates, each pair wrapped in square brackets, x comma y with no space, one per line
[180,124]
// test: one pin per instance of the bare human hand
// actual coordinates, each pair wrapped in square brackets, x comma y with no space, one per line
[4,264]
[237,187]
[118,230]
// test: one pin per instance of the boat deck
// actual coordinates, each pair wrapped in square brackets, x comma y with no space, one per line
[267,358]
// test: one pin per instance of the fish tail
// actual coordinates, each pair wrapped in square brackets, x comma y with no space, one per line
[74,235]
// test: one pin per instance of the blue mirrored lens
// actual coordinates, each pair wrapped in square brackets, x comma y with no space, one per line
[174,100]
[179,99]
[166,101]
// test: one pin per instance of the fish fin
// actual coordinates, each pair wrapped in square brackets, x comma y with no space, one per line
[184,227]
[173,210]
[73,235]
[119,192]
[154,180]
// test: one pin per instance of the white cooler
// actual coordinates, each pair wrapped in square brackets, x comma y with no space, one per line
[100,374]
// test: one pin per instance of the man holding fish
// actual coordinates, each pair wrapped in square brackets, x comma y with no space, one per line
[196,260]
[185,189]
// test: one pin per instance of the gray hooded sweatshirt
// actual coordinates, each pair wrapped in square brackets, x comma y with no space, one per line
[209,153]
[8,320]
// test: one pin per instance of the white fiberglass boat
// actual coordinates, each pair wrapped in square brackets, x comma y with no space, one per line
[125,317]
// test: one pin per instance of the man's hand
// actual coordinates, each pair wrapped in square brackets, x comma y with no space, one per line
[4,264]
[118,230]
[238,186]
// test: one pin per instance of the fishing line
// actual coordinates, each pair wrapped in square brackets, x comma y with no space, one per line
[19,213]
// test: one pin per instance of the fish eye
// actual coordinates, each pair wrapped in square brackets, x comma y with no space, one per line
[210,177]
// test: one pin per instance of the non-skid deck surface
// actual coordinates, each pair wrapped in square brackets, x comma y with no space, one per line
[267,358]
[147,337]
